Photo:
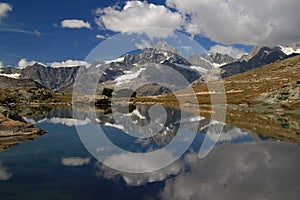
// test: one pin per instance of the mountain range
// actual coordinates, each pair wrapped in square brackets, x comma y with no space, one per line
[143,65]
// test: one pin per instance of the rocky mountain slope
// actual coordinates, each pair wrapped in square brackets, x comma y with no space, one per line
[119,70]
[258,57]
[10,70]
[153,68]
[142,67]
[276,84]
[7,82]
[25,91]
[210,61]
[49,77]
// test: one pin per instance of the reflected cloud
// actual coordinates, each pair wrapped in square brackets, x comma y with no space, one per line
[69,121]
[75,161]
[227,136]
[141,178]
[257,170]
[57,120]
[147,162]
[128,162]
[4,174]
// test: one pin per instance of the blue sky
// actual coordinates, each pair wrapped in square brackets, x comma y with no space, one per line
[54,43]
[33,30]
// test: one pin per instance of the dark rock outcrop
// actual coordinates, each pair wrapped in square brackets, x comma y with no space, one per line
[51,78]
[257,58]
[14,130]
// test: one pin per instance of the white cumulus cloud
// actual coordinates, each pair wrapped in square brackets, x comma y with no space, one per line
[273,22]
[69,63]
[24,63]
[138,15]
[229,50]
[4,9]
[75,23]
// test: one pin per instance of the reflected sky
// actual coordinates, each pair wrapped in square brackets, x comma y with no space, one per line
[4,174]
[257,170]
[57,166]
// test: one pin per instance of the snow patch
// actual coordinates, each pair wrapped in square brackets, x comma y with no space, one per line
[193,68]
[199,69]
[136,113]
[216,65]
[121,59]
[118,126]
[289,50]
[15,76]
[129,75]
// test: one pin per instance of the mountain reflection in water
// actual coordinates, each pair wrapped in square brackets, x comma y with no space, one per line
[57,165]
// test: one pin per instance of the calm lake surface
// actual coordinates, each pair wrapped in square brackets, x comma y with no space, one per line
[57,165]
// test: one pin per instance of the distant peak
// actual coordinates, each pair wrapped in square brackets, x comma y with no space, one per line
[255,50]
[39,64]
[164,46]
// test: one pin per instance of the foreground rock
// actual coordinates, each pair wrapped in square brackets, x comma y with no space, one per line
[14,130]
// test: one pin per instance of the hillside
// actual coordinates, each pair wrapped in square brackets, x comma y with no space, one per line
[7,82]
[20,91]
[277,83]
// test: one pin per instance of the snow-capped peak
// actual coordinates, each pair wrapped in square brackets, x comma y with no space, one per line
[164,46]
[289,50]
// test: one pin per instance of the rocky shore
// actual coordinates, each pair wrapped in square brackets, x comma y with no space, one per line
[14,130]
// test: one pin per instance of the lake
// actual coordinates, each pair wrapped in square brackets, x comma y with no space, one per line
[61,165]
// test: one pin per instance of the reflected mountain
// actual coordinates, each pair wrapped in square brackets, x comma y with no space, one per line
[148,125]
[277,125]
[57,165]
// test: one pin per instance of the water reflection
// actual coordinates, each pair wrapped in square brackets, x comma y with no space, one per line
[57,165]
[141,179]
[140,117]
[258,170]
[4,174]
[117,133]
[137,144]
[75,161]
